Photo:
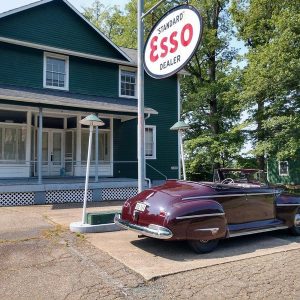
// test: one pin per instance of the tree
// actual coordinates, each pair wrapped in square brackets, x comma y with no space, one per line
[209,94]
[270,85]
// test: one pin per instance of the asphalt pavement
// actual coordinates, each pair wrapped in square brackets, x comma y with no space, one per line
[41,259]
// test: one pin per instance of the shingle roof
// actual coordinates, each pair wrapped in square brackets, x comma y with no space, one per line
[67,99]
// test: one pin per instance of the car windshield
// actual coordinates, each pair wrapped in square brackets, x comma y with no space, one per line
[240,176]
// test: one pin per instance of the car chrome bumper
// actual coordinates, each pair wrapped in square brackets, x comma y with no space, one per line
[154,231]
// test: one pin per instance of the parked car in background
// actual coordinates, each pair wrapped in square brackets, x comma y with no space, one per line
[238,202]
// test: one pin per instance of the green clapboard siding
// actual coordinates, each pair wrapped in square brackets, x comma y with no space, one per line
[294,173]
[21,66]
[55,24]
[93,77]
[162,96]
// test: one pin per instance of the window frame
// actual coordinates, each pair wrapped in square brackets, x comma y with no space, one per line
[55,56]
[279,168]
[153,127]
[130,69]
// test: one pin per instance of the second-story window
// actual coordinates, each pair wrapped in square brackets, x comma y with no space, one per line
[56,71]
[127,83]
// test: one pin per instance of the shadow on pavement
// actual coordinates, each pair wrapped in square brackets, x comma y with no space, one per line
[180,251]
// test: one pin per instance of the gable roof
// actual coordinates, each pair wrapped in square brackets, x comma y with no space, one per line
[41,2]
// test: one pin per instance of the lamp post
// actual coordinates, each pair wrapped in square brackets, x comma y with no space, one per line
[91,120]
[180,127]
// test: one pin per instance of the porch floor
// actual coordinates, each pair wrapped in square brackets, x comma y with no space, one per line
[63,180]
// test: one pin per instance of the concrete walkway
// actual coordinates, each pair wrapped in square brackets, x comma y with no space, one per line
[154,258]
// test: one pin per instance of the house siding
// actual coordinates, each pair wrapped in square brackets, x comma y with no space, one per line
[21,66]
[294,173]
[93,77]
[162,96]
[54,24]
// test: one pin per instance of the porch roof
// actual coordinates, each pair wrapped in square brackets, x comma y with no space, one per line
[67,99]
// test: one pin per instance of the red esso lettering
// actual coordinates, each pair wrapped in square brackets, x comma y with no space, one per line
[185,42]
[186,37]
[153,56]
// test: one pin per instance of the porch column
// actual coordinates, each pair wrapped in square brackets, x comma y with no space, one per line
[40,145]
[28,142]
[78,147]
[96,153]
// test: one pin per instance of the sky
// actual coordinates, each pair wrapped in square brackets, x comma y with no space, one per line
[6,5]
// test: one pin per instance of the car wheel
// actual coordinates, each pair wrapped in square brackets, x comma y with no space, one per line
[203,246]
[295,230]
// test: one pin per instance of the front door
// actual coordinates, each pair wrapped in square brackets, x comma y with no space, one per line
[52,152]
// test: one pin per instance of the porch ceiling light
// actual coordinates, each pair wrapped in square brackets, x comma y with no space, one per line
[92,120]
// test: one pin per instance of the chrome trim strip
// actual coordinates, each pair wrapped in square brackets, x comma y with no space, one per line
[228,195]
[212,196]
[200,216]
[257,194]
[257,231]
[286,204]
[159,232]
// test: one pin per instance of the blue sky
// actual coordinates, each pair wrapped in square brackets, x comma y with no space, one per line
[11,4]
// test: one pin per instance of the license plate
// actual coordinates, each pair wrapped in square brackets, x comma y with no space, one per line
[140,206]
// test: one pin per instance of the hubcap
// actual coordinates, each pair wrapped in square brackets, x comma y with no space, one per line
[297,220]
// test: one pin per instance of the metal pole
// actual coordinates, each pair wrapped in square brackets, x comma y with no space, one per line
[96,153]
[87,175]
[182,155]
[40,145]
[140,89]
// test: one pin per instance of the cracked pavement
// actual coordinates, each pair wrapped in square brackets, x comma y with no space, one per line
[41,260]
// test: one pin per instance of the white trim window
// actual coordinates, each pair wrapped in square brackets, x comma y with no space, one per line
[56,71]
[150,142]
[127,82]
[283,167]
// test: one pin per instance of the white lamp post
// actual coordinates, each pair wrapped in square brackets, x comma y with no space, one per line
[180,127]
[91,121]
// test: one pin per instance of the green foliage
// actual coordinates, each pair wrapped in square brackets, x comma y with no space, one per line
[210,93]
[270,82]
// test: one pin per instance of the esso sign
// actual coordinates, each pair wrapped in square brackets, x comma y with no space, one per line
[172,41]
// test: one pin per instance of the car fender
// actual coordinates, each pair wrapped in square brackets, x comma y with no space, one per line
[287,206]
[198,219]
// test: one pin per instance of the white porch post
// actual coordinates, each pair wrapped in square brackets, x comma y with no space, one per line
[96,153]
[40,145]
[28,142]
[78,147]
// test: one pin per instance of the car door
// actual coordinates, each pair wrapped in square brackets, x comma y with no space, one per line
[235,204]
[260,204]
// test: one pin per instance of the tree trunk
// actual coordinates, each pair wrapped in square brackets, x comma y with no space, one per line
[260,134]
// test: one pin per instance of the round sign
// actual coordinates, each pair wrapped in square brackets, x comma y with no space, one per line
[173,41]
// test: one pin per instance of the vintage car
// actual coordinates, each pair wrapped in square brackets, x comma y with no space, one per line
[238,202]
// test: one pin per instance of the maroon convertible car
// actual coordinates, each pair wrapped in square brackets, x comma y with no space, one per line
[238,202]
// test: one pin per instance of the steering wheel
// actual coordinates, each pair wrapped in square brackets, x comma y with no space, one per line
[227,181]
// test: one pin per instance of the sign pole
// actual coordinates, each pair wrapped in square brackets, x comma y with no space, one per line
[140,90]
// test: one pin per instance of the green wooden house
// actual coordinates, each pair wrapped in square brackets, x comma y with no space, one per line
[55,69]
[285,172]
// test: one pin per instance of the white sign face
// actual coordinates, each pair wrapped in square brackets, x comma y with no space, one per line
[173,41]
